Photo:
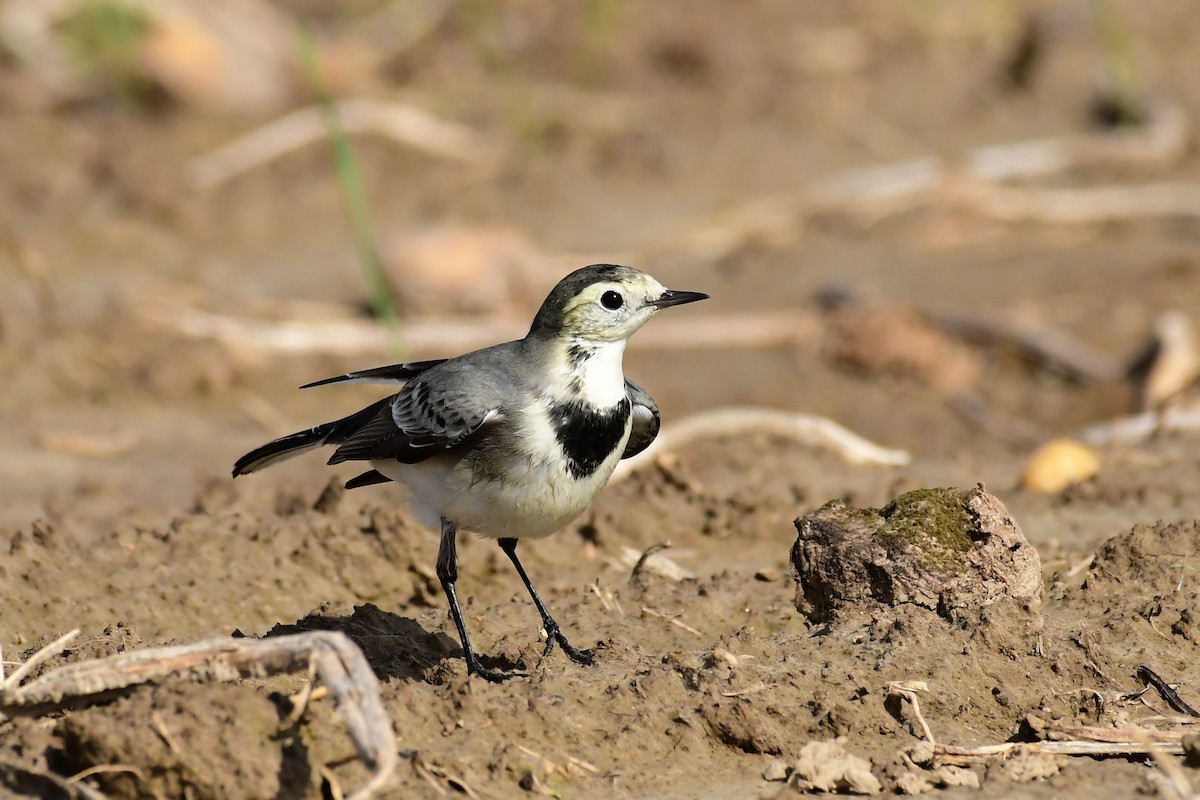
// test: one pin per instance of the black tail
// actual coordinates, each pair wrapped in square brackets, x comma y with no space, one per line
[294,444]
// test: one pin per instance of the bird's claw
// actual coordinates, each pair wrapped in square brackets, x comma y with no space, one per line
[554,635]
[491,675]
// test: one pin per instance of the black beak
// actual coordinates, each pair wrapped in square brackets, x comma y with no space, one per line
[671,297]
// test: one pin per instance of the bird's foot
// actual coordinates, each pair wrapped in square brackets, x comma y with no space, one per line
[555,636]
[474,667]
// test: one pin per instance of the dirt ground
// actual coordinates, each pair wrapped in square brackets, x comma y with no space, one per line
[666,137]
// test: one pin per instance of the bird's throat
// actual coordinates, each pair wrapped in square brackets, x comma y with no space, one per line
[594,374]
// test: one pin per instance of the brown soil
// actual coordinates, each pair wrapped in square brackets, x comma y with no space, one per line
[117,515]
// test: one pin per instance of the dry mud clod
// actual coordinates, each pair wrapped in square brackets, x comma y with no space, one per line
[955,552]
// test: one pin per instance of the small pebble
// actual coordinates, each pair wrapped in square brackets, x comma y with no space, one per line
[776,770]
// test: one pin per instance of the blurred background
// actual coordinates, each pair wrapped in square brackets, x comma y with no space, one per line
[958,228]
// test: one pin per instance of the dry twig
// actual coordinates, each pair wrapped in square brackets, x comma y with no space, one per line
[806,429]
[673,619]
[335,659]
[651,562]
[907,690]
[972,182]
[48,783]
[13,681]
[888,189]
[1064,738]
[398,122]
[1166,690]
[1139,427]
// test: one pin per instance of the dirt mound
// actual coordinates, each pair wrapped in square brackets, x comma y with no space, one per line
[1141,589]
[1162,558]
[185,740]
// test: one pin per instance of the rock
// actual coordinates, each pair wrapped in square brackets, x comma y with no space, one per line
[1024,766]
[950,777]
[776,770]
[955,552]
[827,767]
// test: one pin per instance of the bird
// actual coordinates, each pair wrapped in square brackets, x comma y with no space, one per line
[509,442]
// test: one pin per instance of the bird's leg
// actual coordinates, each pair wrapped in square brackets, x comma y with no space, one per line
[553,633]
[447,572]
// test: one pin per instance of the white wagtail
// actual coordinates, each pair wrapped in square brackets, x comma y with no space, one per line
[513,441]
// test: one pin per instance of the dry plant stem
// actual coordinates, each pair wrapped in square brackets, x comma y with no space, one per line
[895,187]
[652,563]
[965,755]
[804,428]
[1175,776]
[405,124]
[641,562]
[13,681]
[1071,740]
[1167,692]
[972,182]
[336,661]
[1139,427]
[909,692]
[674,620]
[1083,206]
[51,785]
[439,337]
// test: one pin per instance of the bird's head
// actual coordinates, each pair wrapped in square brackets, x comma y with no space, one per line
[604,303]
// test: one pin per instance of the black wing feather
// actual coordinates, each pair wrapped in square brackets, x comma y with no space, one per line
[646,420]
[368,478]
[419,423]
[392,373]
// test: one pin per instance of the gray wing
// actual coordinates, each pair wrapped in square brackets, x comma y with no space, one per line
[438,410]
[646,420]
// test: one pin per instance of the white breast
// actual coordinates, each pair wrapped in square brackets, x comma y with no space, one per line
[525,490]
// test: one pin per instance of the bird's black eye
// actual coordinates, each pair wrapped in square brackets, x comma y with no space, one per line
[612,300]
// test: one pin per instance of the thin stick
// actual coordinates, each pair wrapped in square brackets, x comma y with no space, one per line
[50,784]
[1139,427]
[49,651]
[102,768]
[1073,740]
[1166,690]
[649,551]
[652,563]
[755,689]
[401,123]
[803,428]
[908,691]
[893,187]
[1109,203]
[160,727]
[336,660]
[673,619]
[879,191]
